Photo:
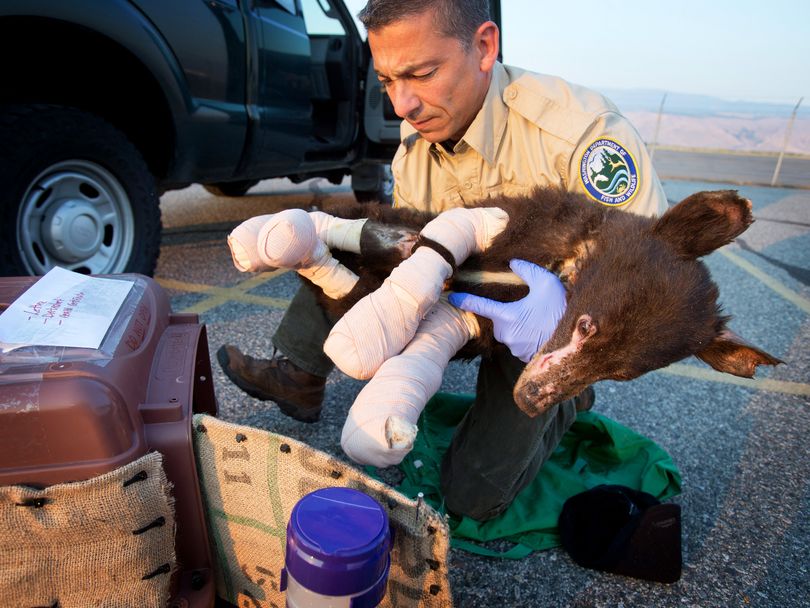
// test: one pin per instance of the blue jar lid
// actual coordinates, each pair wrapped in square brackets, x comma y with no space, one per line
[338,541]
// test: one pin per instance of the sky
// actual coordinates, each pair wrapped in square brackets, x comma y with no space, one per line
[751,50]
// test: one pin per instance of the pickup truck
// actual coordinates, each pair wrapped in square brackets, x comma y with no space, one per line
[106,104]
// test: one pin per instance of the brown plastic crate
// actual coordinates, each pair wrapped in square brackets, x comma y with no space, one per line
[69,414]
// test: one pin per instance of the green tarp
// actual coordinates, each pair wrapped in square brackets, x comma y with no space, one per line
[595,450]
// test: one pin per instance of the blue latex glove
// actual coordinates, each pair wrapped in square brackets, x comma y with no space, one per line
[525,325]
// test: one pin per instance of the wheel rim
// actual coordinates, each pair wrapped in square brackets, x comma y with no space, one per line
[77,215]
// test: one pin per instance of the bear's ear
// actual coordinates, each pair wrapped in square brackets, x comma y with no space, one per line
[704,222]
[729,354]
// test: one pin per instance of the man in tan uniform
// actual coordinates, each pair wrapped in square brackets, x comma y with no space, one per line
[472,129]
[532,130]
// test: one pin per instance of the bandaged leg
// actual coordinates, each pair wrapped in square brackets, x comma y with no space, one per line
[382,323]
[338,233]
[298,240]
[381,426]
[243,243]
[466,231]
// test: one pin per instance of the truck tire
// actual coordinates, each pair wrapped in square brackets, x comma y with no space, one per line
[75,193]
[373,183]
[232,189]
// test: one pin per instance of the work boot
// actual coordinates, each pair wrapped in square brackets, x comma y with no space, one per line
[298,393]
[584,401]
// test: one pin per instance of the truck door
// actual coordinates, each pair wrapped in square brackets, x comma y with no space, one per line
[335,72]
[307,60]
[279,85]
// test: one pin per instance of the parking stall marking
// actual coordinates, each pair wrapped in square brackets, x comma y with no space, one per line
[758,384]
[222,295]
[788,294]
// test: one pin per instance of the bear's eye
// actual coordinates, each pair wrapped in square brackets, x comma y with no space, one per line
[584,326]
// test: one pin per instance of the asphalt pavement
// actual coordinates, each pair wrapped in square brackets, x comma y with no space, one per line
[747,169]
[741,445]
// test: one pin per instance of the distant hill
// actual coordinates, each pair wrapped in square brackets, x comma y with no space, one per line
[709,122]
[649,100]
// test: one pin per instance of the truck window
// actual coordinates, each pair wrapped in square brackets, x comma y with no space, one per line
[321,19]
[354,7]
[287,5]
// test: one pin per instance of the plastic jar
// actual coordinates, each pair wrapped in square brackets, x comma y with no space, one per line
[338,551]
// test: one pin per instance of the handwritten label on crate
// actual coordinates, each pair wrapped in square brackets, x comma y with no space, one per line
[63,308]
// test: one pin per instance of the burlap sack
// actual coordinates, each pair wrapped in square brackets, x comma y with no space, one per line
[107,541]
[251,479]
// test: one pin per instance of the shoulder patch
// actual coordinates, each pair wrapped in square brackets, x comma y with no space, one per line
[608,172]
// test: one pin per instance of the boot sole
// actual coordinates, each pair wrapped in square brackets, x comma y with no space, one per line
[288,408]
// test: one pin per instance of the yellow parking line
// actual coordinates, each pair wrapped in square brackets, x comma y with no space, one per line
[788,294]
[762,384]
[221,295]
[212,302]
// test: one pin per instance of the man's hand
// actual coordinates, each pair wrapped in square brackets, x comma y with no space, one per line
[525,325]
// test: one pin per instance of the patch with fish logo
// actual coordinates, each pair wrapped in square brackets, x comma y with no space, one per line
[608,173]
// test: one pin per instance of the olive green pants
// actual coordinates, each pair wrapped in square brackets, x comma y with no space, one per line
[302,332]
[496,450]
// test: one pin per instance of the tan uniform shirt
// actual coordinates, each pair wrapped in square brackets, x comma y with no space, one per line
[532,130]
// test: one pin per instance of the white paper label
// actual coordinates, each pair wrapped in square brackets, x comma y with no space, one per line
[63,308]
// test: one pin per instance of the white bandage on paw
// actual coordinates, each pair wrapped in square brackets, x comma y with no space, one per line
[383,322]
[277,240]
[338,233]
[289,240]
[327,273]
[465,231]
[381,426]
[242,241]
[298,240]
